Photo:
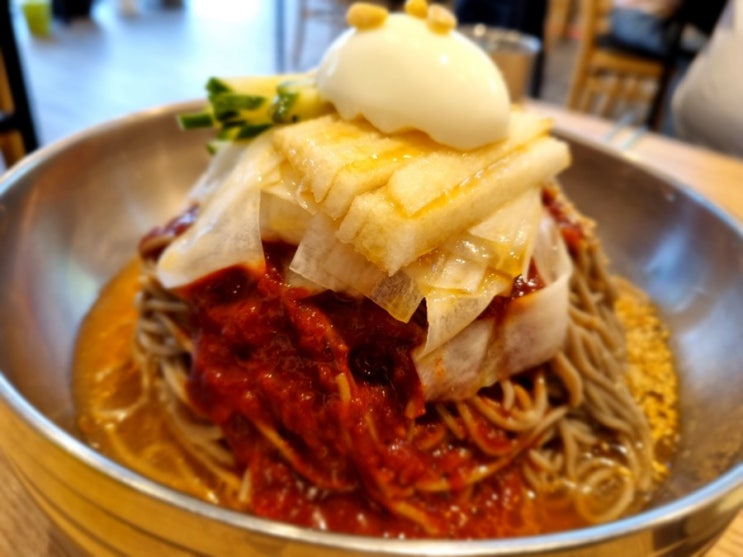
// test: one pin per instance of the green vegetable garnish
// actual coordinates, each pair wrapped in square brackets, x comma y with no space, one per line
[216,85]
[234,102]
[196,120]
[242,108]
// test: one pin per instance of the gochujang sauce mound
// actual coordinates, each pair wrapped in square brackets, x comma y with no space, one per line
[326,383]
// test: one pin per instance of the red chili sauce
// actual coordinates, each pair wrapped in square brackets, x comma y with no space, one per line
[319,400]
[270,365]
[571,226]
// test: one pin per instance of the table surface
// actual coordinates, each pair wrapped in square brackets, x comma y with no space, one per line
[25,531]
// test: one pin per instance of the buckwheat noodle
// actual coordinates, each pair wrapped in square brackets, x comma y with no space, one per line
[572,426]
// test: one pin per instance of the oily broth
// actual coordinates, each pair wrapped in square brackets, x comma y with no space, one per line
[103,361]
[117,414]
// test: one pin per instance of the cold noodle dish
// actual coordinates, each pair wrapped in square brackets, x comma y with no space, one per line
[378,312]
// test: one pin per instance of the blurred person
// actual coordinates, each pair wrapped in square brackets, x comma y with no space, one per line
[526,16]
[707,105]
[644,25]
[654,27]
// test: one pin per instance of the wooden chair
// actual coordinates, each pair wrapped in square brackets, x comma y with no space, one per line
[610,81]
[17,133]
[556,22]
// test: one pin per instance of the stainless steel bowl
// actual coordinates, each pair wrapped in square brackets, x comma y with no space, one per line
[70,216]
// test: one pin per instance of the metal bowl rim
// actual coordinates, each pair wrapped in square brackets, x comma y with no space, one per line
[730,481]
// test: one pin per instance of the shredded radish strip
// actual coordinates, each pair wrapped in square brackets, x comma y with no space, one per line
[227,231]
[251,194]
[532,331]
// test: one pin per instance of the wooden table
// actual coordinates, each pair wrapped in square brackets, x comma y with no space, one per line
[24,531]
[717,177]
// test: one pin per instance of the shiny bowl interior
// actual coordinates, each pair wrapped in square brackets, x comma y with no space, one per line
[71,215]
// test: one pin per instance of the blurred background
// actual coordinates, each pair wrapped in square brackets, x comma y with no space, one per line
[87,61]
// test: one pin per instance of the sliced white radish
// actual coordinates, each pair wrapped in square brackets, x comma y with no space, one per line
[530,332]
[323,260]
[227,230]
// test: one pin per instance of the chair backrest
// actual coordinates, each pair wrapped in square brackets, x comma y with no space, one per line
[609,81]
[594,18]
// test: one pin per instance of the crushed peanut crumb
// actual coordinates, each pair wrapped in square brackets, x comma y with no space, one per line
[363,15]
[440,19]
[651,376]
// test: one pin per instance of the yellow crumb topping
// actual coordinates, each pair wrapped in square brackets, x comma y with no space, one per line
[651,376]
[417,8]
[440,19]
